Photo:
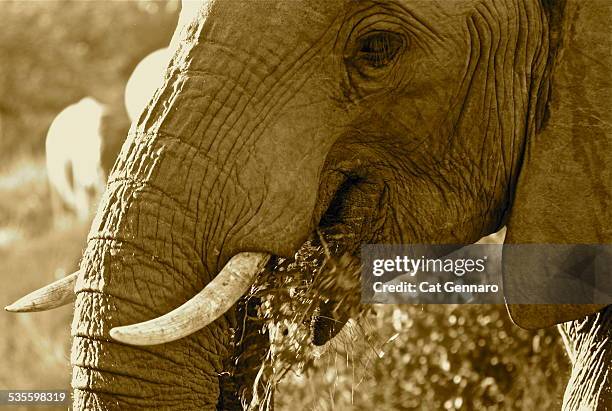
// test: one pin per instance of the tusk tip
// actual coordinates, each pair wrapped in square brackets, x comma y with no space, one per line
[12,308]
[127,335]
[56,294]
[20,306]
[116,334]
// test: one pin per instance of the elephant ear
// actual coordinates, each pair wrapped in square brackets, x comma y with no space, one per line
[564,190]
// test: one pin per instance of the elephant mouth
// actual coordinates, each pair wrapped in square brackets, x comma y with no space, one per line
[329,261]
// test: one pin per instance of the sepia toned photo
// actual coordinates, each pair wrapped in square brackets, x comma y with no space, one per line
[306,205]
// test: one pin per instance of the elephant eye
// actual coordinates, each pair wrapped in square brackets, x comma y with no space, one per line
[377,50]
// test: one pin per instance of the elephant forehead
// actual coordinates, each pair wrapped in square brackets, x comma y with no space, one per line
[274,21]
[269,22]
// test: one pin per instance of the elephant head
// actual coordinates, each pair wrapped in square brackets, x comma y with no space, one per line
[405,121]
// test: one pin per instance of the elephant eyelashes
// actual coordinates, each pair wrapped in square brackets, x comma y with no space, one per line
[375,51]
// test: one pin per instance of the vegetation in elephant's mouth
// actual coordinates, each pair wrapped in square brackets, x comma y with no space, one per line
[302,302]
[292,292]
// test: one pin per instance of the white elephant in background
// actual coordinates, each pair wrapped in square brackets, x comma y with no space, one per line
[73,156]
[144,80]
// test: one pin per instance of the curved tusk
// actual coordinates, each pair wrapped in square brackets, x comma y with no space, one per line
[56,294]
[204,308]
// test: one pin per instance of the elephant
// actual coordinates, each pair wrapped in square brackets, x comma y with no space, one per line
[82,145]
[73,158]
[406,122]
[144,80]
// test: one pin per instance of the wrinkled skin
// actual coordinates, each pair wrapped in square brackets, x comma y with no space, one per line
[411,117]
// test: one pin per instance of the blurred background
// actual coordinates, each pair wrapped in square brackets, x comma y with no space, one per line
[74,58]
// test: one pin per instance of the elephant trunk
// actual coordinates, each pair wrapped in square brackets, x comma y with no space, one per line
[217,165]
[161,234]
[142,261]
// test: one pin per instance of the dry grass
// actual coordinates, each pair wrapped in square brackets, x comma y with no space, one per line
[436,357]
